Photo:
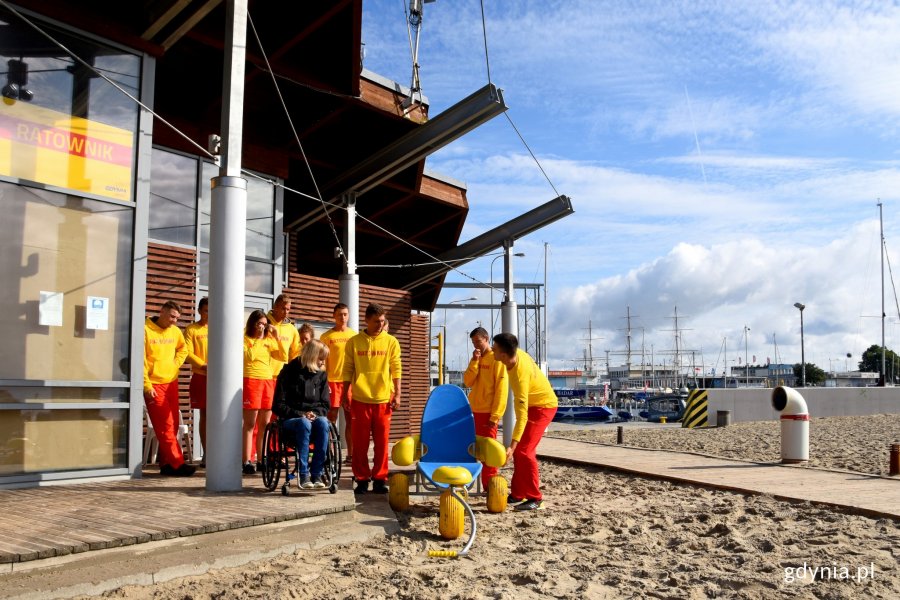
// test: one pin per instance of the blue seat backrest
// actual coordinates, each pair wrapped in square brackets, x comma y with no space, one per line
[448,427]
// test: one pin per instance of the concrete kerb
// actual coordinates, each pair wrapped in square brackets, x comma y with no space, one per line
[96,572]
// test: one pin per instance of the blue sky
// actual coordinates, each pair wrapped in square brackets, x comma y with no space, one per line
[722,157]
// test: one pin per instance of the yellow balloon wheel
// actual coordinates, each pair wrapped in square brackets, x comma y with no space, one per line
[398,495]
[452,517]
[497,494]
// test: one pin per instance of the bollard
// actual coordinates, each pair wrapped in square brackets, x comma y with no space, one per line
[663,420]
[620,435]
[895,460]
[723,418]
[794,424]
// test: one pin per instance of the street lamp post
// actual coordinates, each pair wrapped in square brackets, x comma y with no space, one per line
[519,254]
[800,306]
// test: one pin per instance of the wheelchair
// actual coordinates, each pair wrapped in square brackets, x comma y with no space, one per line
[279,451]
[448,457]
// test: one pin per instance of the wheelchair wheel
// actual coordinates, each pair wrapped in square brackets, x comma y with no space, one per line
[332,472]
[273,455]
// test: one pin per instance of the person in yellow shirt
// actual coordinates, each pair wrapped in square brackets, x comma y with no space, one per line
[164,353]
[263,350]
[372,370]
[486,377]
[195,336]
[535,404]
[336,340]
[279,317]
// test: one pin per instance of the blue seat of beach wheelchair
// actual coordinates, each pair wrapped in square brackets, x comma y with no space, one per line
[448,436]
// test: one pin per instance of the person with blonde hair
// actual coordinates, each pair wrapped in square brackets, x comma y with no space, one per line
[302,400]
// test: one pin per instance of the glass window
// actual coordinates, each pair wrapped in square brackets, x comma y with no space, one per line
[260,214]
[260,219]
[209,171]
[43,440]
[58,252]
[173,198]
[68,127]
[258,276]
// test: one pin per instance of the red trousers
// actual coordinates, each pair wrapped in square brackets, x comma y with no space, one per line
[484,429]
[526,481]
[370,420]
[163,413]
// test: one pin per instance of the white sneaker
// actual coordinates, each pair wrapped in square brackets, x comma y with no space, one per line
[319,482]
[305,483]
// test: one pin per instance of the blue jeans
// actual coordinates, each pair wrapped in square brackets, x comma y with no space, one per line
[305,432]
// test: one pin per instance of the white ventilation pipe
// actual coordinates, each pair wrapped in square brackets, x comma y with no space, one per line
[794,424]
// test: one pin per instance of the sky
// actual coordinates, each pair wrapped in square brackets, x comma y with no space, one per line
[723,158]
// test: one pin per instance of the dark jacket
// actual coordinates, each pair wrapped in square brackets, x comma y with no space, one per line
[299,390]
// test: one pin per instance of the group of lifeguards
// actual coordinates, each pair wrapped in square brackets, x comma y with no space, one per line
[364,367]
[363,378]
[491,372]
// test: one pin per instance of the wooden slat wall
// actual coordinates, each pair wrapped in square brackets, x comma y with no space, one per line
[313,299]
[419,359]
[171,275]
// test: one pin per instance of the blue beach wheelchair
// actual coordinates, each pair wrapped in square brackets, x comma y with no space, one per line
[448,456]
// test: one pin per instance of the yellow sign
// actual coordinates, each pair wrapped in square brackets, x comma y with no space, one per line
[49,147]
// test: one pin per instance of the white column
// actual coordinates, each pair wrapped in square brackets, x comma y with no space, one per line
[349,280]
[227,254]
[349,287]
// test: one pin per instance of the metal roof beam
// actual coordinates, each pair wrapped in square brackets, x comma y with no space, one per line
[459,119]
[536,218]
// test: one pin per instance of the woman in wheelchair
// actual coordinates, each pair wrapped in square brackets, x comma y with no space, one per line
[302,401]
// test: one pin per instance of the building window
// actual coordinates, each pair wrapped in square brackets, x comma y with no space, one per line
[67,127]
[59,255]
[259,268]
[173,198]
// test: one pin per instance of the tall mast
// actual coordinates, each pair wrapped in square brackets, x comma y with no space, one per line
[628,341]
[883,378]
[677,362]
[546,353]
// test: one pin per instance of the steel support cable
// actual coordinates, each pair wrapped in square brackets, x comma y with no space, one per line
[287,114]
[891,273]
[487,63]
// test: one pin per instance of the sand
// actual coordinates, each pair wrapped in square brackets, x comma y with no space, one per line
[605,535]
[860,444]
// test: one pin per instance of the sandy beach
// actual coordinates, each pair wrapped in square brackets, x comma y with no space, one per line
[606,535]
[860,444]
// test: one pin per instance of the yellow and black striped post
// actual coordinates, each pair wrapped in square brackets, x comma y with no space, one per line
[695,415]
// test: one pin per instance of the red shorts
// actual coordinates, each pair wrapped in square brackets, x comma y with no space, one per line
[197,391]
[258,393]
[337,389]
